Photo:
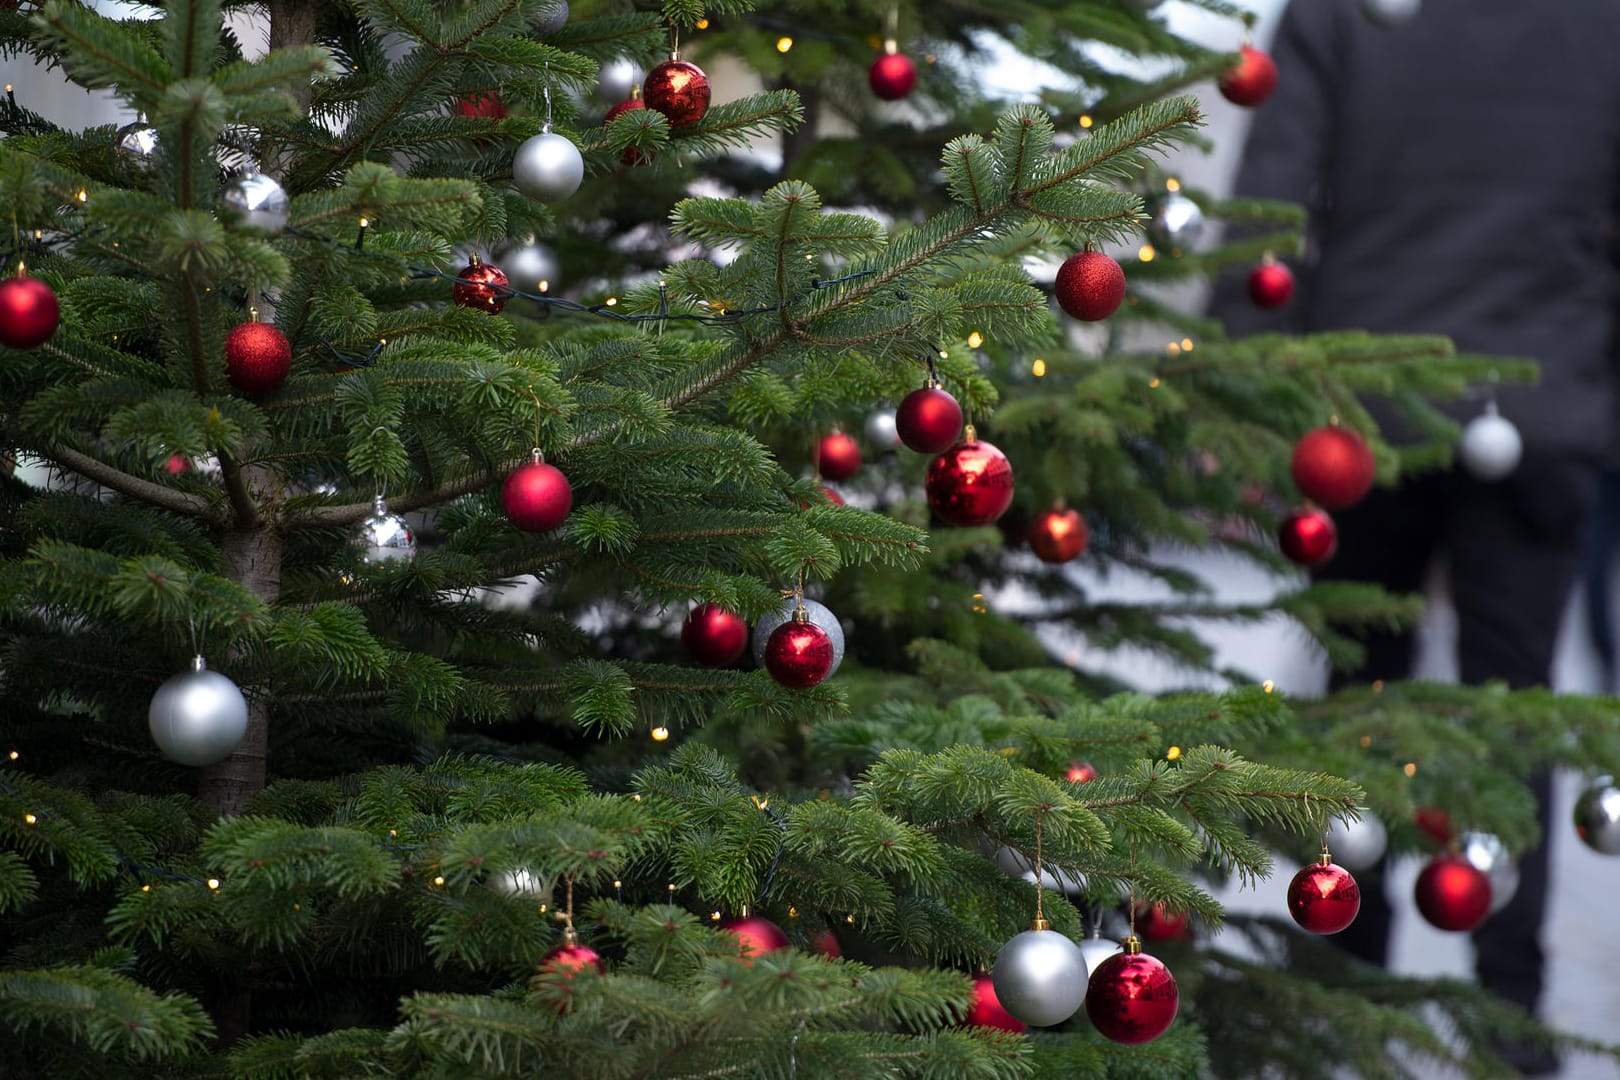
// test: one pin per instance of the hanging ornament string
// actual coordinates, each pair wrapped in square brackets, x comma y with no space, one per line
[1040,890]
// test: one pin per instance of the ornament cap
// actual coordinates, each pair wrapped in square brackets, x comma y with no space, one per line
[198,663]
[890,46]
[570,936]
[969,434]
[1325,858]
[1039,923]
[379,504]
[536,457]
[801,614]
[1132,945]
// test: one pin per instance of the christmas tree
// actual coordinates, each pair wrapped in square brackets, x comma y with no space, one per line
[302,780]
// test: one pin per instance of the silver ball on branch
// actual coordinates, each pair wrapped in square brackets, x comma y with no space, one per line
[1388,13]
[531,266]
[820,614]
[1097,948]
[137,143]
[1358,845]
[384,537]
[257,201]
[1178,223]
[1015,864]
[1040,977]
[1490,858]
[616,79]
[197,717]
[547,167]
[1597,816]
[881,430]
[1490,447]
[522,882]
[554,18]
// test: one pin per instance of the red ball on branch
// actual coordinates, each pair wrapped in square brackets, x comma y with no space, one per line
[1271,285]
[257,357]
[1159,922]
[825,943]
[1090,286]
[799,654]
[481,285]
[536,497]
[714,636]
[29,312]
[757,935]
[1058,535]
[971,483]
[1333,466]
[986,1010]
[1435,823]
[892,76]
[679,90]
[928,420]
[1308,537]
[837,456]
[1080,772]
[631,156]
[1132,997]
[1324,898]
[481,105]
[1452,893]
[1251,80]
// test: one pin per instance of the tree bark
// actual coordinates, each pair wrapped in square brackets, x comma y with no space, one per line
[292,22]
[799,140]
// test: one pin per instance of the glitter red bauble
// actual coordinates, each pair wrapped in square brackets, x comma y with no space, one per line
[1132,998]
[892,76]
[1080,772]
[837,456]
[1333,466]
[679,90]
[1324,899]
[536,497]
[970,484]
[798,654]
[1435,823]
[1271,285]
[1156,922]
[28,312]
[1090,286]
[257,357]
[714,636]
[632,156]
[1251,80]
[1057,536]
[482,285]
[570,957]
[1308,537]
[758,936]
[928,420]
[1453,893]
[986,1010]
[485,105]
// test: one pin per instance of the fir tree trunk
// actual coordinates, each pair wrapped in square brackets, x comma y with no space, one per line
[796,141]
[292,22]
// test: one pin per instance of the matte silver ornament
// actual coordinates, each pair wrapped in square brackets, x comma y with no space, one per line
[1597,816]
[1096,948]
[384,537]
[1388,13]
[1040,977]
[197,717]
[1490,447]
[555,18]
[820,614]
[257,201]
[1490,858]
[1177,223]
[137,144]
[547,167]
[531,266]
[881,431]
[618,78]
[1358,845]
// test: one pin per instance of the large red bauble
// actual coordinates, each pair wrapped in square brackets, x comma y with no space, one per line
[837,456]
[679,90]
[970,484]
[486,105]
[257,357]
[632,156]
[1057,536]
[714,636]
[1333,466]
[1132,998]
[1271,285]
[1080,772]
[798,654]
[986,1010]
[570,957]
[28,312]
[892,76]
[1308,537]
[1453,893]
[482,285]
[758,936]
[1156,922]
[1251,80]
[1324,898]
[1090,286]
[537,497]
[928,420]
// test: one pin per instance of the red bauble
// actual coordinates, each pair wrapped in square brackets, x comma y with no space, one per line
[632,156]
[1251,80]
[714,636]
[486,105]
[892,76]
[1090,286]
[1132,998]
[257,357]
[1308,537]
[177,464]
[1435,823]
[1333,466]
[1057,536]
[1271,285]
[831,496]
[1080,772]
[837,456]
[1453,893]
[482,285]
[537,496]
[825,943]
[1324,898]
[928,420]
[970,484]
[570,957]
[758,936]
[679,90]
[986,1010]
[1156,922]
[28,312]
[798,654]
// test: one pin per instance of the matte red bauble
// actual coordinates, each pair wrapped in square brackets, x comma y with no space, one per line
[837,456]
[1324,898]
[679,90]
[1435,823]
[1333,466]
[928,420]
[1132,997]
[1251,80]
[1080,772]
[986,1010]
[1156,922]
[831,496]
[177,464]
[1057,536]
[28,312]
[1090,286]
[970,484]
[1271,285]
[758,936]
[892,76]
[486,105]
[536,497]
[257,357]
[798,654]
[714,636]
[631,156]
[1308,537]
[1453,893]
[825,943]
[481,285]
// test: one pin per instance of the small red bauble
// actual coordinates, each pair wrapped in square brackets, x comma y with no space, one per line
[1251,80]
[1308,537]
[1132,997]
[986,1010]
[928,420]
[1156,922]
[570,957]
[28,312]
[1080,772]
[831,496]
[892,76]
[1333,466]
[486,105]
[1090,286]
[1271,285]
[714,636]
[798,654]
[825,943]
[1453,893]
[758,936]
[971,483]
[481,285]
[1057,536]
[837,456]
[1324,898]
[177,464]
[679,90]
[631,156]
[537,497]
[257,357]
[1435,823]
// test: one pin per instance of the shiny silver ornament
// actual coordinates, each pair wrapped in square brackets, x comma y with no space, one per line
[555,18]
[384,537]
[530,266]
[1388,13]
[1096,948]
[1040,977]
[547,167]
[197,717]
[257,201]
[617,79]
[1597,816]
[1490,858]
[820,614]
[1177,223]
[1358,845]
[881,431]
[137,144]
[1490,447]
[520,882]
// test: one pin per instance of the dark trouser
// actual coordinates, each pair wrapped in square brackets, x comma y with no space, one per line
[1512,549]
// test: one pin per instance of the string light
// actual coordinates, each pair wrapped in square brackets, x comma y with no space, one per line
[146,888]
[1172,184]
[1366,741]
[1186,344]
[83,195]
[1268,686]
[30,819]
[612,301]
[660,733]
[1378,686]
[1038,369]
[1153,383]
[1173,753]
[1410,768]
[784,43]
[1173,348]
[714,916]
[975,339]
[1086,121]
[438,879]
[213,883]
[702,24]
[1145,253]
[14,755]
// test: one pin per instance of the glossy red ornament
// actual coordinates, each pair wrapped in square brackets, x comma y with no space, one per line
[485,105]
[1090,286]
[758,936]
[928,420]
[1434,823]
[1251,80]
[679,90]
[29,312]
[831,496]
[798,654]
[837,456]
[1058,535]
[825,943]
[1132,997]
[986,1010]
[1324,898]
[1156,922]
[631,156]
[714,636]
[570,957]
[1271,285]
[1453,893]
[257,357]
[1308,537]
[1333,466]
[481,285]
[971,483]
[892,76]
[537,497]
[1080,772]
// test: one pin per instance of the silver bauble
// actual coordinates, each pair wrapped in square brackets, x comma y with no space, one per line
[547,167]
[257,201]
[1597,816]
[618,78]
[1490,447]
[384,537]
[197,717]
[1177,223]
[1013,863]
[1490,858]
[554,19]
[881,431]
[531,267]
[520,882]
[1097,949]
[1390,12]
[137,144]
[1040,977]
[820,614]
[1358,845]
